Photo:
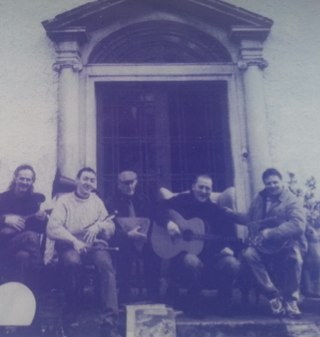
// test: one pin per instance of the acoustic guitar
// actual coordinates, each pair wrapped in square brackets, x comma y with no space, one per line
[191,239]
[129,223]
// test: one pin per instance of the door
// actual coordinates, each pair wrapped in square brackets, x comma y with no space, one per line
[167,132]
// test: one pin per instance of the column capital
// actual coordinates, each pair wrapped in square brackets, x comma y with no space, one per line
[75,64]
[243,64]
[67,56]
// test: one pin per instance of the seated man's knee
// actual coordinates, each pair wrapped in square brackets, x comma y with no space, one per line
[295,257]
[32,238]
[103,262]
[230,265]
[192,261]
[250,254]
[71,259]
[22,257]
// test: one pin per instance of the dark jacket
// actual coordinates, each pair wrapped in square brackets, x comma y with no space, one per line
[24,205]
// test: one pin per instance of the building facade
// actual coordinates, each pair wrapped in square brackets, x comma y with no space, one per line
[167,88]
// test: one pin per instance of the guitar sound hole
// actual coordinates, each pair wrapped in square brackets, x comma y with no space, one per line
[187,235]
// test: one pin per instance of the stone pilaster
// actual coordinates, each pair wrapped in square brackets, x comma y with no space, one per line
[68,65]
[251,64]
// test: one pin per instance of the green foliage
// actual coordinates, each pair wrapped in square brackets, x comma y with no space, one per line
[308,193]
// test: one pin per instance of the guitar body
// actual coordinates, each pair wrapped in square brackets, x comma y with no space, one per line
[166,247]
[129,223]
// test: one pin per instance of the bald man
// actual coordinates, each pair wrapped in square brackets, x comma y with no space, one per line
[134,243]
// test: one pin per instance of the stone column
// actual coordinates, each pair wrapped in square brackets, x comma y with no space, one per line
[252,64]
[68,66]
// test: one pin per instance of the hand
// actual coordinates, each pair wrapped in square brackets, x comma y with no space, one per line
[228,211]
[15,221]
[90,234]
[265,234]
[79,246]
[41,215]
[135,234]
[173,229]
[108,229]
[227,252]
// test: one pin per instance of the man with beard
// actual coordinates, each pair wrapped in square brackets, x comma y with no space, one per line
[21,222]
[81,228]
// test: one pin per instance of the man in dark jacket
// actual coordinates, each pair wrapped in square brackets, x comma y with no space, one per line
[133,243]
[217,260]
[277,224]
[21,223]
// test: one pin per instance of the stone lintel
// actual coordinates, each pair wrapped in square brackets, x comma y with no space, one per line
[239,33]
[78,34]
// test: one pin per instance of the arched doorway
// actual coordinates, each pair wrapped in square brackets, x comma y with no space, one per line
[167,131]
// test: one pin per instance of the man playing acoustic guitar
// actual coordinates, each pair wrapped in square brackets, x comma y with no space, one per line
[216,261]
[21,222]
[276,225]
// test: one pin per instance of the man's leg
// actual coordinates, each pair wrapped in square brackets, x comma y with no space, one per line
[227,269]
[108,291]
[124,261]
[152,271]
[24,248]
[70,262]
[290,262]
[256,264]
[106,279]
[186,270]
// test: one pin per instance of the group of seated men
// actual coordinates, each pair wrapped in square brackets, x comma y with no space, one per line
[85,229]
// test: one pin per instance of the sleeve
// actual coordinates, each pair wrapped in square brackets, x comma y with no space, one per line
[56,229]
[295,223]
[164,210]
[103,223]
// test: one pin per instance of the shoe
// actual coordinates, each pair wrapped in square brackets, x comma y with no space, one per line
[277,307]
[292,310]
[108,326]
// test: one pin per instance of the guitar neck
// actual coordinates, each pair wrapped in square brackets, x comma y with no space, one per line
[211,237]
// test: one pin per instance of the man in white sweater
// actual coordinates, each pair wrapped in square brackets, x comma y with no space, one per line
[80,226]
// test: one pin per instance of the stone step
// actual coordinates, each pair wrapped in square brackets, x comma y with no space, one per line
[247,328]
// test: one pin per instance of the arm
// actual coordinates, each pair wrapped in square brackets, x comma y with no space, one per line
[106,226]
[56,229]
[294,225]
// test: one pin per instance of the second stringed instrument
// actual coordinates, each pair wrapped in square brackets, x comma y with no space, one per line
[191,239]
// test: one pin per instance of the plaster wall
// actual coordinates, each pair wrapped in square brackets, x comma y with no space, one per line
[28,86]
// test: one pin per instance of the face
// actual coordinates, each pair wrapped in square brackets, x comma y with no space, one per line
[24,181]
[202,189]
[128,187]
[86,183]
[273,185]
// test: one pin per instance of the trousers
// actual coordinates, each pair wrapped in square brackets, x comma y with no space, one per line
[72,262]
[276,274]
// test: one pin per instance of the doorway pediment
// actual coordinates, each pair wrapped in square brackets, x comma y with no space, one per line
[79,22]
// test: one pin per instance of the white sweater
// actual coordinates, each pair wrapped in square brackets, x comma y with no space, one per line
[72,214]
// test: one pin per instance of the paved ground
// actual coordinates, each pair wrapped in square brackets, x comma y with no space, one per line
[252,321]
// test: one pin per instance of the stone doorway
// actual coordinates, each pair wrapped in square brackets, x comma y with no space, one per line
[166,131]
